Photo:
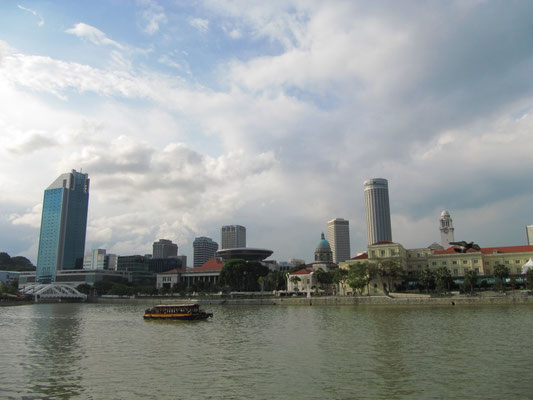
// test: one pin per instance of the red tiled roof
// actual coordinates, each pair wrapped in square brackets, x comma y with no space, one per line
[382,242]
[490,250]
[175,271]
[360,257]
[213,264]
[304,271]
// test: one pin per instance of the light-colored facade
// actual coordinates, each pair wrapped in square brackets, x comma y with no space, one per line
[415,260]
[446,229]
[164,248]
[204,248]
[96,259]
[208,273]
[233,236]
[339,239]
[303,280]
[529,234]
[378,222]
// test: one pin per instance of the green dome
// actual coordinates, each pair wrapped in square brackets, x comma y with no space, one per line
[323,244]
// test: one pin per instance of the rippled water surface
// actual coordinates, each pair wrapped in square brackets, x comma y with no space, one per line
[104,351]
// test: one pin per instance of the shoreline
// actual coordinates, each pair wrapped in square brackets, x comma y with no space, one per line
[393,300]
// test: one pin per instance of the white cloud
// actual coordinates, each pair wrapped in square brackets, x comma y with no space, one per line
[93,35]
[153,15]
[41,19]
[199,23]
[31,217]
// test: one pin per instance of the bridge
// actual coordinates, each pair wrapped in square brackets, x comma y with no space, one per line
[53,291]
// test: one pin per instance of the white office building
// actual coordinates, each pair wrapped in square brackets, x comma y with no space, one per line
[233,236]
[339,239]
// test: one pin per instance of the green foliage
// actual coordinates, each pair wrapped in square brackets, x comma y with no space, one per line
[275,280]
[119,289]
[240,275]
[501,272]
[529,278]
[358,276]
[17,263]
[426,279]
[102,287]
[470,280]
[443,280]
[390,271]
[339,277]
[84,288]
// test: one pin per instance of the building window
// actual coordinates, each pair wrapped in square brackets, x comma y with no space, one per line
[506,261]
[477,270]
[517,261]
[444,263]
[433,263]
[418,254]
[455,271]
[465,262]
[373,253]
[487,262]
[382,253]
[476,261]
[454,262]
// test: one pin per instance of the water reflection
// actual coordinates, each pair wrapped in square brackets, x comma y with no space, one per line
[53,365]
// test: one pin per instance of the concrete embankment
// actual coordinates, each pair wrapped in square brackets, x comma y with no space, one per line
[392,300]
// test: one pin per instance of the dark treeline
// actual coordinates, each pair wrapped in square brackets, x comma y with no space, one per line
[18,263]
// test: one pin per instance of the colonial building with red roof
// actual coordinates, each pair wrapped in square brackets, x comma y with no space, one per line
[208,272]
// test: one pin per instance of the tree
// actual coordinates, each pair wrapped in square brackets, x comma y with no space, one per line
[529,278]
[84,288]
[501,272]
[470,280]
[119,289]
[324,278]
[358,276]
[443,280]
[426,279]
[241,275]
[389,270]
[17,263]
[102,287]
[339,277]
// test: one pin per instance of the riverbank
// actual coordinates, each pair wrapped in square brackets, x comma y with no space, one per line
[391,300]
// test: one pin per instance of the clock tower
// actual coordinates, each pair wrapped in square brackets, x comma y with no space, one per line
[446,229]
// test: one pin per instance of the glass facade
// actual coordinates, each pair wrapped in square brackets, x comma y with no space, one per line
[63,225]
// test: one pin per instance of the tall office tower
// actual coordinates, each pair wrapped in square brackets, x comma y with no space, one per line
[164,249]
[529,234]
[63,225]
[446,229]
[204,248]
[378,226]
[95,259]
[339,239]
[233,236]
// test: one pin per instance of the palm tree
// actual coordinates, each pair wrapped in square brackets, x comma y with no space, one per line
[501,272]
[470,280]
[294,280]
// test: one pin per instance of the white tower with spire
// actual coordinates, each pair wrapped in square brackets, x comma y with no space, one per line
[446,229]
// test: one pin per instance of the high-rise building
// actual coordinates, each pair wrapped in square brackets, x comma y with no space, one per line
[233,236]
[63,225]
[339,239]
[204,248]
[529,234]
[164,248]
[99,259]
[446,229]
[378,226]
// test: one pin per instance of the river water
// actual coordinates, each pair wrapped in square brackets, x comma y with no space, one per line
[107,351]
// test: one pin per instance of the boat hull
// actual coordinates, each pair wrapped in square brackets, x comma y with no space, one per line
[179,317]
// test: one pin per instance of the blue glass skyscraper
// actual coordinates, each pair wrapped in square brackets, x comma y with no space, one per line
[63,225]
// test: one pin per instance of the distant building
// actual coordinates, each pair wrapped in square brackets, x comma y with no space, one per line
[244,253]
[339,239]
[529,234]
[204,248]
[158,265]
[207,273]
[137,266]
[233,236]
[164,248]
[378,225]
[63,225]
[323,255]
[183,259]
[303,280]
[99,259]
[446,229]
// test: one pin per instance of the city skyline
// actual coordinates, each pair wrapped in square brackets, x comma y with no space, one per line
[188,116]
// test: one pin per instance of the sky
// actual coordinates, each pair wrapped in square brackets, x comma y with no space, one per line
[190,115]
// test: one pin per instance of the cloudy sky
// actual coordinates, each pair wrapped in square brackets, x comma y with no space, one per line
[188,115]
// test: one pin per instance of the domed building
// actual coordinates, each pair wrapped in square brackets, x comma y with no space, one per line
[323,255]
